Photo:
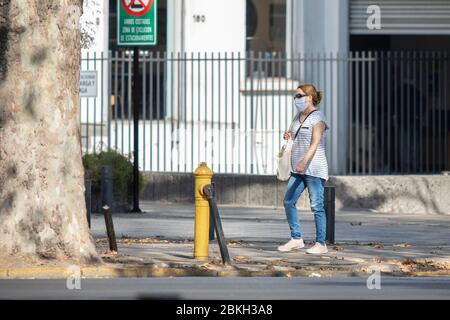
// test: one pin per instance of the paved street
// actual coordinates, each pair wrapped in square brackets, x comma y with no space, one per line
[230,288]
[176,221]
[410,245]
[205,288]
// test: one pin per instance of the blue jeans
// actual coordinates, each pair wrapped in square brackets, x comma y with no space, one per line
[295,187]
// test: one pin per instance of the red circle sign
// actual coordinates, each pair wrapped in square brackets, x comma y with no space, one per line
[136,8]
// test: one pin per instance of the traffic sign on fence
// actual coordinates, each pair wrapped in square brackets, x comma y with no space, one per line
[136,22]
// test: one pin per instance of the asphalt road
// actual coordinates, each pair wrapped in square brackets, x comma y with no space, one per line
[222,288]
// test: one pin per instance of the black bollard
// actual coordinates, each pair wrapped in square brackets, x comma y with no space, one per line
[109,228]
[107,186]
[329,197]
[208,191]
[88,199]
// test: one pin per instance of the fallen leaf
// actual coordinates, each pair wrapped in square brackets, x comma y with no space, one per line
[402,245]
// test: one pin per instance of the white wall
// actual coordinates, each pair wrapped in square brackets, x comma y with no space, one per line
[222,30]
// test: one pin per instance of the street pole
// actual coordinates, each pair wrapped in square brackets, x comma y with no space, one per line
[136,91]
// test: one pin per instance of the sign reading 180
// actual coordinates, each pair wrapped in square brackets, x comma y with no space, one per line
[136,22]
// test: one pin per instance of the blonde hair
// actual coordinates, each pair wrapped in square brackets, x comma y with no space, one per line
[310,90]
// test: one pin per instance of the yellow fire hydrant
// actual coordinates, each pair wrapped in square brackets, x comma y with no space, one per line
[203,176]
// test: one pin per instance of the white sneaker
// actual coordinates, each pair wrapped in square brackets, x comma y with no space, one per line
[318,249]
[292,244]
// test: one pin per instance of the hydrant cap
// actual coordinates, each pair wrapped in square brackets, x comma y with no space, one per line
[203,170]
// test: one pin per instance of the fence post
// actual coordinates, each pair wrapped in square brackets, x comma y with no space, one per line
[88,199]
[329,197]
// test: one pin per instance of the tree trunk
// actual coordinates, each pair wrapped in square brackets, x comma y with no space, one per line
[42,208]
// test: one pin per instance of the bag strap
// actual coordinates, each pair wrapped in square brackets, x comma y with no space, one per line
[293,121]
[301,124]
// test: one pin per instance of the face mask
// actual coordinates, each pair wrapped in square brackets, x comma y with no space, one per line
[301,104]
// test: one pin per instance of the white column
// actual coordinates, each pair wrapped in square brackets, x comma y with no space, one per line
[321,26]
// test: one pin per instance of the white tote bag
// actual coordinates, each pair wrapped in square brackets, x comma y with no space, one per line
[284,157]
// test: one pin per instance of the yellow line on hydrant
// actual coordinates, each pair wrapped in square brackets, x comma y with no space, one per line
[203,176]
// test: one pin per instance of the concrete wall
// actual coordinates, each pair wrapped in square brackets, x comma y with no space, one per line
[396,194]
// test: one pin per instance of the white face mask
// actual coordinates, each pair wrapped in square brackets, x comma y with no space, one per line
[301,104]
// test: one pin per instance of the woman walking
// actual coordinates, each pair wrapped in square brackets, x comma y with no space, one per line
[309,168]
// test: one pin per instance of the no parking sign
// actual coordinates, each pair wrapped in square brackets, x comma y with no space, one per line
[136,22]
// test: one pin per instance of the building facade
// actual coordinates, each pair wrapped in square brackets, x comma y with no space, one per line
[218,85]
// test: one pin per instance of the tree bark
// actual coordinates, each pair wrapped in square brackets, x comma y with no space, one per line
[42,208]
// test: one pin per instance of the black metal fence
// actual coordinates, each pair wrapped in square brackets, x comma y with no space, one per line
[389,112]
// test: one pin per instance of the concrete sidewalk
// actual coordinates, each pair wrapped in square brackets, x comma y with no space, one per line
[396,244]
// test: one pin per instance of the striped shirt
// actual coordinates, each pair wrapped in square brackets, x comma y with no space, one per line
[318,166]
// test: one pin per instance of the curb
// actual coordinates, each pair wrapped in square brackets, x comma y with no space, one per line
[102,272]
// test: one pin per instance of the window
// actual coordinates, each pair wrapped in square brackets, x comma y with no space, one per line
[266,26]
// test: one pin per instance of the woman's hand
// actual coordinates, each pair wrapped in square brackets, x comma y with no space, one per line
[286,135]
[301,166]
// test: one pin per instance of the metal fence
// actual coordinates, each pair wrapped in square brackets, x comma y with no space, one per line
[388,111]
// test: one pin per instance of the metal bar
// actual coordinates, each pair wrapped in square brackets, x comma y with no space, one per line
[409,114]
[433,112]
[395,120]
[402,126]
[172,95]
[122,115]
[129,106]
[426,112]
[272,76]
[226,113]
[110,228]
[363,113]
[389,111]
[164,115]
[233,160]
[144,107]
[446,114]
[199,106]
[219,111]
[211,146]
[370,109]
[151,108]
[158,107]
[185,112]
[421,118]
[214,211]
[116,98]
[350,113]
[239,110]
[87,109]
[136,96]
[180,94]
[441,141]
[252,92]
[206,108]
[192,112]
[357,120]
[382,116]
[329,196]
[109,98]
[95,106]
